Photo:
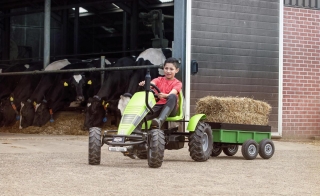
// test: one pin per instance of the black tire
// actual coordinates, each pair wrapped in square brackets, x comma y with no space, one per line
[266,148]
[201,142]
[156,146]
[142,154]
[216,151]
[230,150]
[94,146]
[250,149]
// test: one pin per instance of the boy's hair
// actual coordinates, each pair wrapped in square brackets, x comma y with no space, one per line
[172,60]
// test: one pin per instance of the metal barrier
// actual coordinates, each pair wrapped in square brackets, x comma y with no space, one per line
[84,70]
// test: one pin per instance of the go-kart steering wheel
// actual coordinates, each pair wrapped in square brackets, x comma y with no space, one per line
[153,91]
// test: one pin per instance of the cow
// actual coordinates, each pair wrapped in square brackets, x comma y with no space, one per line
[114,85]
[151,56]
[29,106]
[69,89]
[7,85]
[11,105]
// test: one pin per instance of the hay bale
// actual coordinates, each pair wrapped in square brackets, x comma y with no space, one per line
[234,110]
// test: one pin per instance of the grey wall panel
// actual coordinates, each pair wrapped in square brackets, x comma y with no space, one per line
[236,44]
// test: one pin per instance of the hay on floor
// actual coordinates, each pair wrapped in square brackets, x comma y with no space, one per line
[66,123]
[234,110]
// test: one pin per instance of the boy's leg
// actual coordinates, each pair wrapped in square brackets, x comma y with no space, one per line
[156,111]
[168,109]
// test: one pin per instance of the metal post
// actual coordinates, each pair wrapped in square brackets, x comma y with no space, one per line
[64,31]
[46,47]
[124,33]
[134,27]
[102,66]
[76,30]
[160,18]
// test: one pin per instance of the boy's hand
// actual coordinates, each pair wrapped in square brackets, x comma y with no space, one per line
[162,95]
[141,83]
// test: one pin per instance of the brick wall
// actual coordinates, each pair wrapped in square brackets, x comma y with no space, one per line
[301,73]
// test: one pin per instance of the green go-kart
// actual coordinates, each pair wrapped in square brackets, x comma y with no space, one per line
[149,143]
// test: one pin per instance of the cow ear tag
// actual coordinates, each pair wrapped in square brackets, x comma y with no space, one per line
[11,98]
[34,103]
[103,103]
[65,84]
[106,105]
[89,82]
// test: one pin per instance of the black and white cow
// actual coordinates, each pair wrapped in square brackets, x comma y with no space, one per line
[11,105]
[114,85]
[28,107]
[70,89]
[151,56]
[7,85]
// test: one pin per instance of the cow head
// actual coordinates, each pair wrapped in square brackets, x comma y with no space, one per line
[76,85]
[27,112]
[123,102]
[111,109]
[8,113]
[94,113]
[42,114]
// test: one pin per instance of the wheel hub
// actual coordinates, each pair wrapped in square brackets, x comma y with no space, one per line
[205,142]
[268,149]
[252,149]
[232,148]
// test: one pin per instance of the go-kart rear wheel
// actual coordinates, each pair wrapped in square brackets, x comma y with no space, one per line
[142,154]
[156,146]
[94,146]
[200,142]
[230,150]
[250,149]
[266,148]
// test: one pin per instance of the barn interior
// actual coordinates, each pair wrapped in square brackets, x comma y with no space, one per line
[84,28]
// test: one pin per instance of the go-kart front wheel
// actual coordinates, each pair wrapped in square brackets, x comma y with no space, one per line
[156,146]
[201,143]
[94,146]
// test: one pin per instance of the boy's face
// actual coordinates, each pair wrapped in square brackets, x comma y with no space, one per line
[170,71]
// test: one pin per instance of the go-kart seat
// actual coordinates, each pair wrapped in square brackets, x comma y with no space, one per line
[180,113]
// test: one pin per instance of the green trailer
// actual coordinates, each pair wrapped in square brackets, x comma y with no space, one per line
[255,139]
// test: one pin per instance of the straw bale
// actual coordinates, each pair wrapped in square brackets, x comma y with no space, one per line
[234,110]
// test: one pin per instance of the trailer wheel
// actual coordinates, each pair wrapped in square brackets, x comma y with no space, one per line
[250,149]
[201,142]
[230,150]
[94,146]
[216,151]
[266,148]
[156,146]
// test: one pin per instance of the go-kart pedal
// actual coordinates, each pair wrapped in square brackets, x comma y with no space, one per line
[129,154]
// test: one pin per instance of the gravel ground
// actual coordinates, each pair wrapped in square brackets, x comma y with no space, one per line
[58,165]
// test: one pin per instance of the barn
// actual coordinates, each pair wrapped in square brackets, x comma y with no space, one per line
[262,49]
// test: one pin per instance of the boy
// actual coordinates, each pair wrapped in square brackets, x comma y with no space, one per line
[168,98]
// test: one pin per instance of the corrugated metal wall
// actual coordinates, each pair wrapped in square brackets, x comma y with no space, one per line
[236,44]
